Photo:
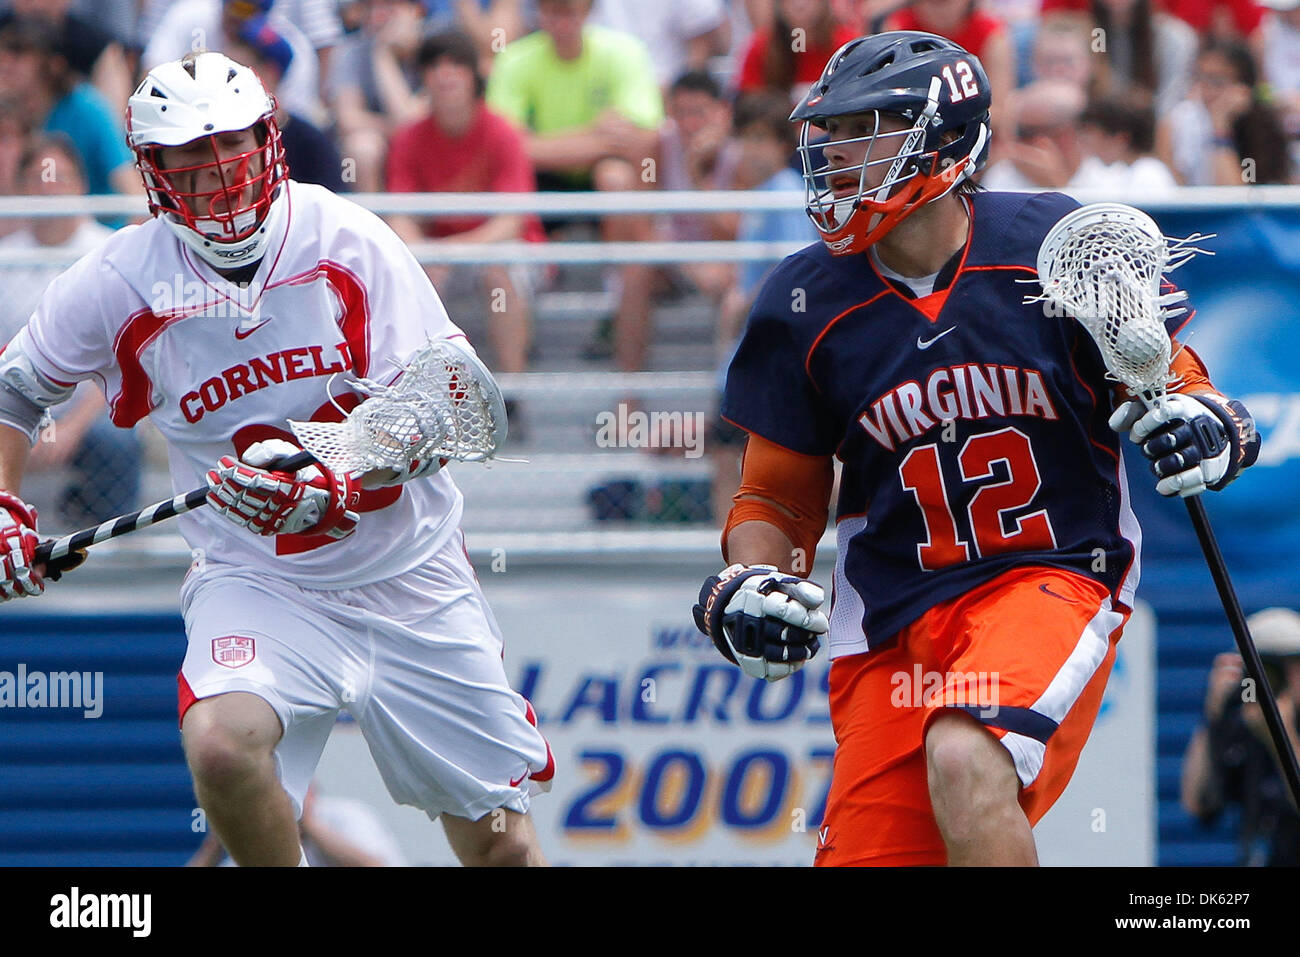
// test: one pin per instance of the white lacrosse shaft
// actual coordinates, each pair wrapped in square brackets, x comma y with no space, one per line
[444,404]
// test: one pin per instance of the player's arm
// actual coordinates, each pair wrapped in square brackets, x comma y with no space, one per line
[25,394]
[757,614]
[14,450]
[1198,439]
[780,509]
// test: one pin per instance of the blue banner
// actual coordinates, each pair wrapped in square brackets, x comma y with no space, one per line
[1248,333]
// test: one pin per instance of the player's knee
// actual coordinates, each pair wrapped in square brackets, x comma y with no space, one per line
[223,761]
[510,849]
[958,753]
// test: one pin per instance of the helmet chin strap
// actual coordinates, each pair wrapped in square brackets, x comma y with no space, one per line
[216,229]
[232,255]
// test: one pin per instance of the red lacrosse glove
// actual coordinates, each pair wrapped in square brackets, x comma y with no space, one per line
[250,493]
[18,541]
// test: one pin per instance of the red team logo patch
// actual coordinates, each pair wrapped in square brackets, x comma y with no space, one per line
[233,651]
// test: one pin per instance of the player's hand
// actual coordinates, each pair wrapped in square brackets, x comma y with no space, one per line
[1193,442]
[252,494]
[1224,681]
[762,619]
[18,541]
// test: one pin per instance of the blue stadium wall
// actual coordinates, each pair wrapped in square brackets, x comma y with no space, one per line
[110,790]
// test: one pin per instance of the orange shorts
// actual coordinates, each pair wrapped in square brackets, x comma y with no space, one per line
[1026,654]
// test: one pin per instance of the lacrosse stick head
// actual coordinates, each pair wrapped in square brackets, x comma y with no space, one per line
[444,405]
[1103,264]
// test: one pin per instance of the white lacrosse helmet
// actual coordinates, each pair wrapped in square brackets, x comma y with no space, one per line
[228,219]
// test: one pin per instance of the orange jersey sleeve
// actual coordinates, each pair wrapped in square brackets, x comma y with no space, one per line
[786,489]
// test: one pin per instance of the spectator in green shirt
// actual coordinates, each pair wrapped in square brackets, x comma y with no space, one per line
[586,99]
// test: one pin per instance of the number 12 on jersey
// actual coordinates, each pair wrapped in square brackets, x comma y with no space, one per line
[992,532]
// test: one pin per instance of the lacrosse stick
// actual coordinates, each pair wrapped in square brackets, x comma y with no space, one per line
[1103,265]
[445,405]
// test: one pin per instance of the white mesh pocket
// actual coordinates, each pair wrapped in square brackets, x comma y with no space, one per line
[444,405]
[1103,264]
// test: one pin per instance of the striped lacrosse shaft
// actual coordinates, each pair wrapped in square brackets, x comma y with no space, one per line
[159,511]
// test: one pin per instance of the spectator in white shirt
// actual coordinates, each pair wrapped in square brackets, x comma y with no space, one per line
[1118,136]
[1045,151]
[1225,133]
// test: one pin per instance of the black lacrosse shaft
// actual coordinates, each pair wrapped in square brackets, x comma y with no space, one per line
[56,553]
[1245,644]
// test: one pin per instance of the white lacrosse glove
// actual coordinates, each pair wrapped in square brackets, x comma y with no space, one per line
[1193,442]
[762,619]
[18,541]
[253,495]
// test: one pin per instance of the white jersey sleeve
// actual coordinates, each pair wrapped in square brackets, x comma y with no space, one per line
[73,333]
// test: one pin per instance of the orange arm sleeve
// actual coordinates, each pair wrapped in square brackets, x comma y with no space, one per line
[786,489]
[1189,368]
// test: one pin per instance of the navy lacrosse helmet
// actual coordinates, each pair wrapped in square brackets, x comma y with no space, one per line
[928,81]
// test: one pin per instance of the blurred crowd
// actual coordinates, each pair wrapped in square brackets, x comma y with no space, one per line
[1134,96]
[1130,96]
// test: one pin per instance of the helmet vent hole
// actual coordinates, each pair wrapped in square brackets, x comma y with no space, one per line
[230,76]
[878,65]
[207,126]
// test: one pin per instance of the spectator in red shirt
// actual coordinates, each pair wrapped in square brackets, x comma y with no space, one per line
[978,32]
[789,56]
[462,146]
[1208,17]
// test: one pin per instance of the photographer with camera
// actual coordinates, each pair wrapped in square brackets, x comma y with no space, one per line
[1231,759]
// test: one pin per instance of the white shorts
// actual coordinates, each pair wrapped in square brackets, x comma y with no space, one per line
[416,659]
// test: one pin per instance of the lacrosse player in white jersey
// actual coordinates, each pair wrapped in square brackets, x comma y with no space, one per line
[228,313]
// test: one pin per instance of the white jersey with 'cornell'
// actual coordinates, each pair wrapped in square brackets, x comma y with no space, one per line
[217,368]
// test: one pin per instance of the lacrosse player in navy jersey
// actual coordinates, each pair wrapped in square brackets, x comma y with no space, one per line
[987,553]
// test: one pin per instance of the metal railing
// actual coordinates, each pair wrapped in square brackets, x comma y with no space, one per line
[589,204]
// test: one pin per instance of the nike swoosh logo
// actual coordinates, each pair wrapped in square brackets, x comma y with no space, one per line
[244,331]
[516,781]
[927,343]
[1047,591]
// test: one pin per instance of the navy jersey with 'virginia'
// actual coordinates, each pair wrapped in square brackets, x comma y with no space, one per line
[972,427]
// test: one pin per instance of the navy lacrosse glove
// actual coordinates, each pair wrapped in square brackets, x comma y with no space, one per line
[1193,442]
[762,619]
